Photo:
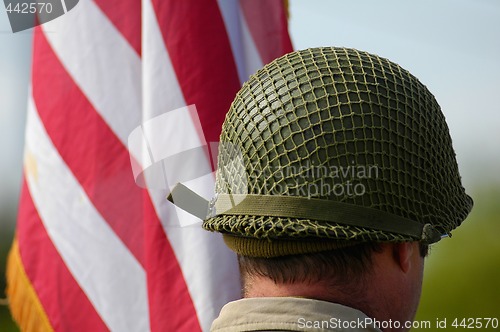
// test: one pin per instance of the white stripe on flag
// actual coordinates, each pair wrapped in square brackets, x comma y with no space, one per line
[204,259]
[209,267]
[245,52]
[102,63]
[107,272]
[161,90]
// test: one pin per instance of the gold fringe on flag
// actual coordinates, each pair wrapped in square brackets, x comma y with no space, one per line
[24,304]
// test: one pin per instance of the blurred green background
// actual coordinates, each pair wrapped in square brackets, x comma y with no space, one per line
[6,235]
[462,273]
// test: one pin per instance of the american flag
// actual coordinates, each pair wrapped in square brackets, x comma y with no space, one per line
[93,250]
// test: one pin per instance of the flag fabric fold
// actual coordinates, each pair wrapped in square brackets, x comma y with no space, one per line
[95,251]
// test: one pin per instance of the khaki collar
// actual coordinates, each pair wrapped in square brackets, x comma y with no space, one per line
[287,314]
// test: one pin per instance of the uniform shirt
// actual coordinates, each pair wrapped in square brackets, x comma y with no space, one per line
[290,314]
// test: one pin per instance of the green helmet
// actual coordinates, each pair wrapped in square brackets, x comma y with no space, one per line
[327,147]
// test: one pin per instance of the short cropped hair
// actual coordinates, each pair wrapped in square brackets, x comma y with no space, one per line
[341,267]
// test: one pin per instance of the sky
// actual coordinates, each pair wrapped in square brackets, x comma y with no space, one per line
[452,46]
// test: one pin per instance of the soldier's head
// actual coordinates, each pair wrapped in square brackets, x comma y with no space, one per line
[328,157]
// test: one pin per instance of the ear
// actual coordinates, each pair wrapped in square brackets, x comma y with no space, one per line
[402,253]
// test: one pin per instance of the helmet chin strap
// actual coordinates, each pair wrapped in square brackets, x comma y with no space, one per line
[301,208]
[189,201]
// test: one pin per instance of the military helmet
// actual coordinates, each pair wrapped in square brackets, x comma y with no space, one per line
[326,147]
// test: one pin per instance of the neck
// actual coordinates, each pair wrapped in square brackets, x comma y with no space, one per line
[386,294]
[363,298]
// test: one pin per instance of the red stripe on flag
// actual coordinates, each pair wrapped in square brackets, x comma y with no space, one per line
[94,154]
[271,39]
[198,46]
[126,17]
[66,306]
[101,164]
